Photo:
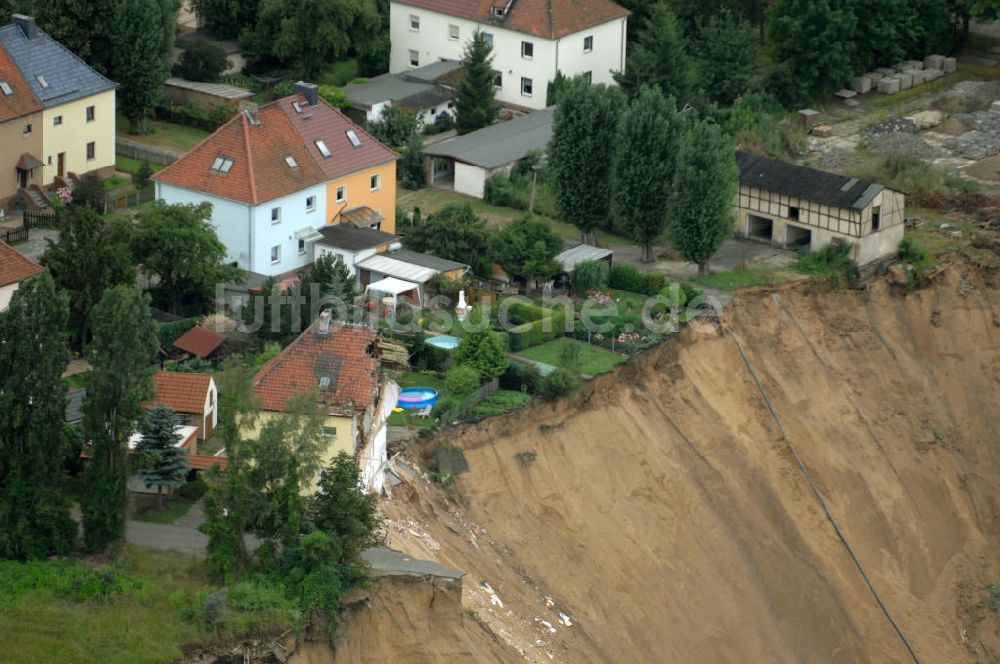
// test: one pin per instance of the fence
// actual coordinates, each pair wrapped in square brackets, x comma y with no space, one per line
[13,235]
[36,219]
[150,153]
[129,199]
[460,408]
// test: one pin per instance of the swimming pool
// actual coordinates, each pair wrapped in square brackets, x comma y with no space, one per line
[417,397]
[445,341]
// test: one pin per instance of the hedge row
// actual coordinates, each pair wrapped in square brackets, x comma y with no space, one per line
[534,333]
[196,116]
[626,277]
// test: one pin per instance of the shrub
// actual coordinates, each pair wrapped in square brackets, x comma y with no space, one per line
[912,253]
[462,379]
[141,177]
[396,126]
[833,262]
[559,383]
[523,377]
[499,191]
[588,276]
[532,333]
[167,333]
[202,61]
[334,96]
[626,277]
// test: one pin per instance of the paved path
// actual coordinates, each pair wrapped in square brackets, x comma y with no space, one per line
[36,244]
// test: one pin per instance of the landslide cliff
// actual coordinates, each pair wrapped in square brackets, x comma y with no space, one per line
[725,498]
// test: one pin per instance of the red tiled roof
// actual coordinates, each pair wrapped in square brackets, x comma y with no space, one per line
[199,341]
[204,461]
[13,266]
[184,392]
[23,101]
[345,355]
[549,19]
[260,172]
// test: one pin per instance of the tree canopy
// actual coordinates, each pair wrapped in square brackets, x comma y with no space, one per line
[660,57]
[484,351]
[454,232]
[526,249]
[162,464]
[396,126]
[474,105]
[728,56]
[139,56]
[583,136]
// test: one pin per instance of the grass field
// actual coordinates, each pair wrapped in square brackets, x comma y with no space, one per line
[417,379]
[736,278]
[131,166]
[432,199]
[593,360]
[133,612]
[166,134]
[174,507]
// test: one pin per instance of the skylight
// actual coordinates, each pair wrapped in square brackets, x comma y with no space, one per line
[321,146]
[41,80]
[222,164]
[297,106]
[324,382]
[353,138]
[5,87]
[290,160]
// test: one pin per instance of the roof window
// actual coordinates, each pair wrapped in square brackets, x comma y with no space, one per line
[290,160]
[222,164]
[352,136]
[5,87]
[41,80]
[321,146]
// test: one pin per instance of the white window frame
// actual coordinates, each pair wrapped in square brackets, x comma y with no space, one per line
[377,178]
[414,23]
[276,215]
[589,39]
[527,45]
[275,254]
[530,84]
[302,247]
[342,193]
[454,32]
[414,58]
[311,203]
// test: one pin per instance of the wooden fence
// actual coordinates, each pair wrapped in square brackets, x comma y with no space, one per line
[129,199]
[13,235]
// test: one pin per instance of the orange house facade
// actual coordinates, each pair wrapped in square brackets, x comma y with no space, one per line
[372,189]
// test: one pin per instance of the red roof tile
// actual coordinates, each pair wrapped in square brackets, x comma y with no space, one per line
[549,19]
[260,172]
[346,356]
[13,266]
[199,341]
[184,392]
[23,101]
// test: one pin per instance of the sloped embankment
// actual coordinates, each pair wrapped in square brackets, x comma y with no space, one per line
[665,511]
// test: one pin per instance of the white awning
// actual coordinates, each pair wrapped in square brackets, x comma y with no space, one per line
[392,286]
[396,268]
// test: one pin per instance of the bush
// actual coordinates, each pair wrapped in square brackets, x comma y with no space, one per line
[524,377]
[626,277]
[533,333]
[395,127]
[558,384]
[499,191]
[196,116]
[832,261]
[141,177]
[168,333]
[202,61]
[913,254]
[462,379]
[588,276]
[334,96]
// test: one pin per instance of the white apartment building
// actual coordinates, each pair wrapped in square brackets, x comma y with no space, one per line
[532,40]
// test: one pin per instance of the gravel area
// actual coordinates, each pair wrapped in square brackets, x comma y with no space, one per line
[903,143]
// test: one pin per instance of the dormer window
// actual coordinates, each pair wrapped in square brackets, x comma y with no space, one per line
[222,164]
[290,160]
[41,80]
[5,88]
[499,12]
[321,146]
[352,136]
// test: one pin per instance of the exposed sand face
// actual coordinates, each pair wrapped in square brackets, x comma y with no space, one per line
[665,513]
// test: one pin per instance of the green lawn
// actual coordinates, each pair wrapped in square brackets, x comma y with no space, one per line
[174,507]
[594,360]
[114,182]
[501,401]
[76,381]
[417,379]
[432,199]
[131,166]
[141,610]
[166,134]
[736,278]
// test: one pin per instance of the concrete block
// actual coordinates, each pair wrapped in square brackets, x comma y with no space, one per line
[886,71]
[875,77]
[919,76]
[914,65]
[995,107]
[905,80]
[932,74]
[861,84]
[845,94]
[950,65]
[888,85]
[900,67]
[926,119]
[934,62]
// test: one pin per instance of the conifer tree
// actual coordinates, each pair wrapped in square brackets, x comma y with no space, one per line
[138,57]
[474,105]
[661,58]
[163,462]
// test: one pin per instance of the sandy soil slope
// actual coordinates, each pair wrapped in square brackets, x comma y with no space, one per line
[665,512]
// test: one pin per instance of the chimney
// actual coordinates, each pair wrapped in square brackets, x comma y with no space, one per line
[250,109]
[323,328]
[308,90]
[26,23]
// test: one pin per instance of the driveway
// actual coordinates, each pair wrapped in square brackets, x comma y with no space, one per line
[734,253]
[36,244]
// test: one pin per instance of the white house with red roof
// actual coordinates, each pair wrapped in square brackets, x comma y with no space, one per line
[532,40]
[14,268]
[276,174]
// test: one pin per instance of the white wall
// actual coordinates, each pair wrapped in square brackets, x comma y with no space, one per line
[427,116]
[432,42]
[350,258]
[247,231]
[470,180]
[7,292]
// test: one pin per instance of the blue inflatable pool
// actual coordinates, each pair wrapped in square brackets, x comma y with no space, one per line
[445,341]
[417,397]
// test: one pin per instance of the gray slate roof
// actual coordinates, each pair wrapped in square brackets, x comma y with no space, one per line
[425,260]
[352,238]
[807,183]
[416,89]
[499,144]
[69,78]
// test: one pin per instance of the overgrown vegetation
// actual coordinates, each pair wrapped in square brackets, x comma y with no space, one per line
[833,262]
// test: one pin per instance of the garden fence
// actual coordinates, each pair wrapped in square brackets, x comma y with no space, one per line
[129,199]
[462,407]
[14,235]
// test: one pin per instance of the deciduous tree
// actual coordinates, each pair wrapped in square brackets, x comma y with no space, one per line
[728,57]
[121,355]
[474,105]
[162,462]
[583,135]
[202,61]
[34,509]
[704,186]
[454,232]
[138,58]
[396,126]
[644,168]
[484,351]
[82,26]
[227,18]
[526,248]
